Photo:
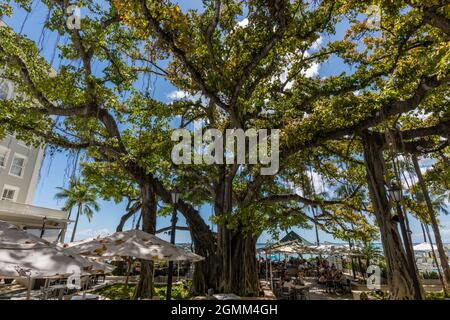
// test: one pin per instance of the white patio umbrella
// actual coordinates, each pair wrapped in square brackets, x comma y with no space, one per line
[20,250]
[335,249]
[132,243]
[25,255]
[424,247]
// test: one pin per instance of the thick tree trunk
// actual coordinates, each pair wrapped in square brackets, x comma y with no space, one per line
[400,279]
[239,267]
[207,271]
[144,288]
[243,277]
[224,205]
[434,224]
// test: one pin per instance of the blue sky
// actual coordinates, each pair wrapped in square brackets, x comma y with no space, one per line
[55,168]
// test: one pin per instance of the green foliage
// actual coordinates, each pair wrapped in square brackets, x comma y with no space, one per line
[79,195]
[121,292]
[433,275]
[439,295]
[233,76]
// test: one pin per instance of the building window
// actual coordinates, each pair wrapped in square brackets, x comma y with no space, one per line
[10,193]
[4,90]
[18,166]
[3,156]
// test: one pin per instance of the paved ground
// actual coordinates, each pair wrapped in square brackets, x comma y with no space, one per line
[315,292]
[318,293]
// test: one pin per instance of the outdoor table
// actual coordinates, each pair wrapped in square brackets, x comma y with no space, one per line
[226,296]
[299,289]
[48,287]
[58,287]
[87,296]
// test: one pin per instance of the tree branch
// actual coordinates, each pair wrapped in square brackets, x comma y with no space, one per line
[180,54]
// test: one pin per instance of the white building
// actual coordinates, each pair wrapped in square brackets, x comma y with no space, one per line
[20,166]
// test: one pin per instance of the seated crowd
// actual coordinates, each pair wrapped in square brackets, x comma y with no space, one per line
[292,273]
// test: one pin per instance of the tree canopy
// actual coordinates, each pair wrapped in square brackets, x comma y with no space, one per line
[241,65]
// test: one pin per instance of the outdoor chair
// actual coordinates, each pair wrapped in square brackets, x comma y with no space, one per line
[322,285]
[101,278]
[277,288]
[347,286]
[302,294]
[53,290]
[339,288]
[286,294]
[330,286]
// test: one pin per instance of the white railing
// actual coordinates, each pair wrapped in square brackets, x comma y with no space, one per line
[29,210]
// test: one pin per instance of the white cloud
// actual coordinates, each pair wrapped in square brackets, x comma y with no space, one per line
[423,116]
[313,71]
[317,44]
[319,183]
[178,95]
[243,23]
[426,164]
[184,95]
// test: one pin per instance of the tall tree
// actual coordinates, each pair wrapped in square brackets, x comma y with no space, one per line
[80,196]
[236,74]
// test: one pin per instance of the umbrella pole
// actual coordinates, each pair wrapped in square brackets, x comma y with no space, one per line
[153,280]
[271,274]
[441,278]
[267,269]
[128,273]
[29,288]
[84,288]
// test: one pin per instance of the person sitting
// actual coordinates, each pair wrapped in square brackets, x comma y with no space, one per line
[332,273]
[300,279]
[363,296]
[318,263]
[287,283]
[339,281]
[301,273]
[322,278]
[338,277]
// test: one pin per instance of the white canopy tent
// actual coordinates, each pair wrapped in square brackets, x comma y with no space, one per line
[337,249]
[335,252]
[294,247]
[291,247]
